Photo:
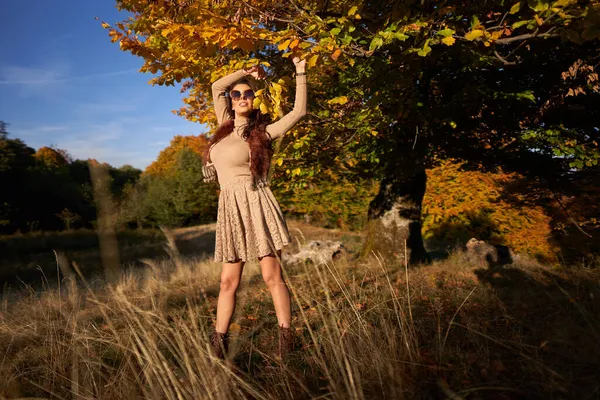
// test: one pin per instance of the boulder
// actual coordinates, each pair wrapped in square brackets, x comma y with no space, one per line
[481,252]
[318,252]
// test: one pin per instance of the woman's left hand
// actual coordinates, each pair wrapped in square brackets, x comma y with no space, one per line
[300,64]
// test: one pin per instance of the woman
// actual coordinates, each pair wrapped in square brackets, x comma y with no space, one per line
[249,222]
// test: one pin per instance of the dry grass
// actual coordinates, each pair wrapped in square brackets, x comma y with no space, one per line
[365,331]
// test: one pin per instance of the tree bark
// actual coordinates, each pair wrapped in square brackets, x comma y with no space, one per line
[393,229]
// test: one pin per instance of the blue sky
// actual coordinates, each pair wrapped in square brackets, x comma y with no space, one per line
[63,83]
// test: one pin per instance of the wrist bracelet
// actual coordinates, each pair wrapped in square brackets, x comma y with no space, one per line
[300,73]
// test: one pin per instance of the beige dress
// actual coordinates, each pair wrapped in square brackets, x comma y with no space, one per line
[249,221]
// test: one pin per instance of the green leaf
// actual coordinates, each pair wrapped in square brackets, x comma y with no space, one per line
[335,31]
[400,36]
[376,43]
[519,24]
[425,50]
[527,95]
[515,8]
[474,21]
[538,5]
[446,32]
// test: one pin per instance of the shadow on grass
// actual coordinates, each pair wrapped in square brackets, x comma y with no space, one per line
[557,324]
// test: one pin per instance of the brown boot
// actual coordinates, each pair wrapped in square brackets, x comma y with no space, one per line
[219,345]
[286,342]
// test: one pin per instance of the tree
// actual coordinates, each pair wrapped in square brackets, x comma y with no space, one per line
[175,198]
[167,158]
[395,85]
[51,158]
[16,168]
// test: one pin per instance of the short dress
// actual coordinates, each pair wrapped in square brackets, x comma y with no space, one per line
[250,223]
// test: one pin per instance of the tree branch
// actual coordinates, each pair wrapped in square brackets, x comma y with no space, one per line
[504,60]
[526,36]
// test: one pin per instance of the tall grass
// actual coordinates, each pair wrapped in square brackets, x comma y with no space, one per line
[364,331]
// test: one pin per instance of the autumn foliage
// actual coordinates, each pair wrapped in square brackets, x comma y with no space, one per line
[460,204]
[51,158]
[167,158]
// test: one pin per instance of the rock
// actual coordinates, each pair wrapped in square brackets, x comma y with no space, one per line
[318,252]
[479,251]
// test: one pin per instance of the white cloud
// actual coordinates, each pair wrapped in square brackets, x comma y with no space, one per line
[12,75]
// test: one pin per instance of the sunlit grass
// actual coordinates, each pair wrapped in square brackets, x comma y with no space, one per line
[364,330]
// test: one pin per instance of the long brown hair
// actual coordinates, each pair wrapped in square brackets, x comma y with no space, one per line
[261,150]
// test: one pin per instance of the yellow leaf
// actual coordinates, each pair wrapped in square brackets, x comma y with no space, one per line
[294,44]
[277,87]
[256,102]
[474,34]
[357,16]
[280,162]
[284,45]
[516,8]
[336,54]
[105,25]
[341,100]
[296,171]
[313,60]
[352,10]
[448,41]
[263,108]
[374,133]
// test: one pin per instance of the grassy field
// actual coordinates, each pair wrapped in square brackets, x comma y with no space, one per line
[365,330]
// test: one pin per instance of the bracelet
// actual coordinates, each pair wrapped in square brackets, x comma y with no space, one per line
[300,73]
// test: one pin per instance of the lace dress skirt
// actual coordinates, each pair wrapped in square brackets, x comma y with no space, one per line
[250,223]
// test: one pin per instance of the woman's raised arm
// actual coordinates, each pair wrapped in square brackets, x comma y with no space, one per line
[220,87]
[219,90]
[279,128]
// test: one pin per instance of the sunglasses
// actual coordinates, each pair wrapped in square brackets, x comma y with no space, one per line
[236,95]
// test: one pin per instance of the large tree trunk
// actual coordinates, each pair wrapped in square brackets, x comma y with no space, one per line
[393,231]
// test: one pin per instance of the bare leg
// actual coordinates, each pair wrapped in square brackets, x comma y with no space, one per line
[271,272]
[231,275]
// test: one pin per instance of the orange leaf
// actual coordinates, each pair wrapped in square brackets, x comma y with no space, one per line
[336,54]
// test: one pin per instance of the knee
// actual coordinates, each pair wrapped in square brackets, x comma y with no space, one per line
[229,284]
[273,280]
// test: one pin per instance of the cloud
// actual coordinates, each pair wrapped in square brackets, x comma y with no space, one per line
[106,143]
[33,81]
[43,76]
[48,80]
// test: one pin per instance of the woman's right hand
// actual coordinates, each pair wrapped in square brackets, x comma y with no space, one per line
[257,72]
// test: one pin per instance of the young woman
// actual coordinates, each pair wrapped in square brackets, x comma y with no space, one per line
[249,221]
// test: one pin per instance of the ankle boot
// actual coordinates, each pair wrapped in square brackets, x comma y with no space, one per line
[219,345]
[286,341]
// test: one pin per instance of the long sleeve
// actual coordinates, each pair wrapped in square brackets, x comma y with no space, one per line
[219,89]
[279,128]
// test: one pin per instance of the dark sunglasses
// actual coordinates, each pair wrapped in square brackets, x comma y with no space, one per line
[236,94]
